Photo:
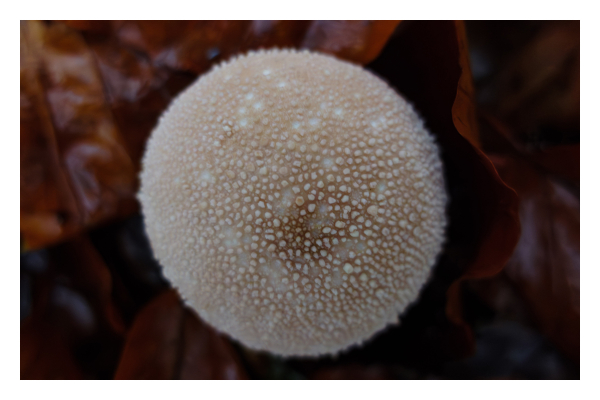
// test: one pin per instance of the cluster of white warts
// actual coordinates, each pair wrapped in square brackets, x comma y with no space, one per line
[297,212]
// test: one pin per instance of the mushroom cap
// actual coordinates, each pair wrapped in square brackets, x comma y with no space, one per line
[295,200]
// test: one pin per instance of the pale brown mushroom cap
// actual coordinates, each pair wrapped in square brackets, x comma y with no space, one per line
[296,201]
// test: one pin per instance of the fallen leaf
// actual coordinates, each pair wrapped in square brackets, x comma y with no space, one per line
[168,341]
[358,41]
[84,142]
[537,88]
[464,113]
[73,329]
[92,91]
[136,275]
[545,265]
[424,63]
[509,350]
[561,162]
[48,207]
[47,357]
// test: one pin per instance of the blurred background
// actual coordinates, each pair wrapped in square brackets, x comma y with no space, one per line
[94,304]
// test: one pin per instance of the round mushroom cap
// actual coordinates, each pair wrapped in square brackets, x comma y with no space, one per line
[295,200]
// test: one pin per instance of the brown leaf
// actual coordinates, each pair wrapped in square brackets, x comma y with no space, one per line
[538,87]
[560,161]
[48,207]
[93,90]
[168,341]
[182,45]
[464,113]
[267,34]
[84,141]
[74,330]
[545,264]
[500,230]
[136,91]
[424,63]
[358,41]
[47,357]
[194,45]
[81,262]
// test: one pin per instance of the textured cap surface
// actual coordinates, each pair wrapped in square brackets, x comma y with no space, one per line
[295,200]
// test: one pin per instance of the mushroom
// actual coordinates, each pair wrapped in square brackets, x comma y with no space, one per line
[295,200]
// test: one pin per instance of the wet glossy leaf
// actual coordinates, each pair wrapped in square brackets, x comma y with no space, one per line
[168,341]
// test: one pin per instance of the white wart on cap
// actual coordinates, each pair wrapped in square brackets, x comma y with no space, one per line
[295,200]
